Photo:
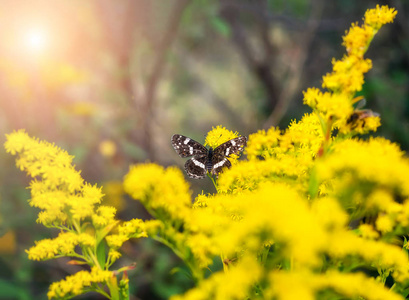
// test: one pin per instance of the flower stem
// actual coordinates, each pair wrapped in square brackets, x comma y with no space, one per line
[214,180]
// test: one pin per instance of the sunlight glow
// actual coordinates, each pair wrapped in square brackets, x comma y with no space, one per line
[36,40]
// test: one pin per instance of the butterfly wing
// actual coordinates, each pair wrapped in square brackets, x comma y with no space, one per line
[220,154]
[218,163]
[196,167]
[185,146]
[233,146]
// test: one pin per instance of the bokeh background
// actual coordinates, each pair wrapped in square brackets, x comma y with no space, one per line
[111,81]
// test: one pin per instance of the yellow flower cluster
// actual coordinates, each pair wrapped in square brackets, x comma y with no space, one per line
[284,215]
[219,135]
[335,107]
[134,228]
[166,195]
[276,156]
[73,206]
[235,284]
[379,16]
[44,160]
[305,285]
[63,245]
[79,283]
[311,213]
[290,238]
[161,191]
[366,177]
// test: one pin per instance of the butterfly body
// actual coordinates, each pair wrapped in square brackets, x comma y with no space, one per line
[206,160]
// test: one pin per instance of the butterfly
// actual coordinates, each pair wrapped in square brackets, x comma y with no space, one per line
[204,160]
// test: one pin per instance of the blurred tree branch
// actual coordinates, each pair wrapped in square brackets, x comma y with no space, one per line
[122,22]
[278,96]
[258,64]
[158,65]
[295,70]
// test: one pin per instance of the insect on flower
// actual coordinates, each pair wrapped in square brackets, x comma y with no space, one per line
[357,118]
[204,160]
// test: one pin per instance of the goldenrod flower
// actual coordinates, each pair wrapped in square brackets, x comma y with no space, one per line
[262,143]
[306,285]
[131,229]
[104,215]
[45,160]
[78,283]
[73,206]
[63,245]
[335,107]
[275,212]
[219,135]
[368,232]
[276,156]
[235,284]
[379,16]
[160,190]
[281,220]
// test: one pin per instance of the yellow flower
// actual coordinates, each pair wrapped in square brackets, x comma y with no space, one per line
[367,231]
[261,144]
[42,159]
[219,135]
[306,285]
[78,283]
[134,228]
[347,76]
[107,148]
[379,254]
[235,284]
[384,223]
[203,249]
[379,16]
[363,162]
[113,255]
[275,212]
[286,156]
[63,245]
[357,39]
[160,190]
[335,108]
[73,206]
[329,213]
[104,215]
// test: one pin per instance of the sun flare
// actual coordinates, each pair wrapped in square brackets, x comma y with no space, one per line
[36,40]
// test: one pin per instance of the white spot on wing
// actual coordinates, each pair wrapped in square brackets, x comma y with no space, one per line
[220,163]
[186,141]
[227,152]
[198,163]
[233,142]
[191,150]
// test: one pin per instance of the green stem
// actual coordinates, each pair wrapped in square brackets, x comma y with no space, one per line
[100,291]
[214,181]
[196,274]
[327,129]
[113,288]
[93,257]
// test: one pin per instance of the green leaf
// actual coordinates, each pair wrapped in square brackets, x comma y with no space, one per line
[9,290]
[101,256]
[220,26]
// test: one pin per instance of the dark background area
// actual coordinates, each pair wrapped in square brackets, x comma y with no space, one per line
[112,81]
